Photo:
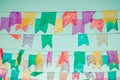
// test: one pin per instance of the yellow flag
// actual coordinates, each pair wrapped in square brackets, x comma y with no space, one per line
[28,19]
[58,26]
[97,58]
[38,59]
[110,16]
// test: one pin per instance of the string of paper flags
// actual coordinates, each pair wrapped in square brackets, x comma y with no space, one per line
[110,18]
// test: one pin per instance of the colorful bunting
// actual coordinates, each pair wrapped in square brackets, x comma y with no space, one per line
[63,58]
[112,75]
[75,76]
[99,75]
[88,57]
[27,19]
[112,56]
[113,65]
[63,76]
[97,23]
[28,39]
[46,40]
[1,53]
[49,58]
[69,17]
[16,36]
[104,59]
[4,24]
[58,26]
[78,28]
[83,39]
[22,28]
[97,58]
[102,38]
[26,75]
[50,75]
[3,72]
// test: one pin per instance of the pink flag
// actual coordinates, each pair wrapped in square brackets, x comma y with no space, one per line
[99,75]
[49,58]
[97,23]
[69,17]
[76,76]
[1,53]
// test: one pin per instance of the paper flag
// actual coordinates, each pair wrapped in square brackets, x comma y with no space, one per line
[15,36]
[13,64]
[112,56]
[3,72]
[26,75]
[50,75]
[23,28]
[36,73]
[97,58]
[46,40]
[88,57]
[113,65]
[18,61]
[28,39]
[15,18]
[27,19]
[97,23]
[102,38]
[32,60]
[66,67]
[89,75]
[63,76]
[104,59]
[79,57]
[109,15]
[7,57]
[99,75]
[38,59]
[14,75]
[111,25]
[112,75]
[63,58]
[87,16]
[75,76]
[4,24]
[83,39]
[80,27]
[78,67]
[69,17]
[1,53]
[49,58]
[38,27]
[58,26]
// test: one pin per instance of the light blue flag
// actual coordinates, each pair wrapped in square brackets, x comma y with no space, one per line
[83,39]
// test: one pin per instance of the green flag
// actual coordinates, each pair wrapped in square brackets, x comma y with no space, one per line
[113,65]
[19,57]
[46,40]
[14,75]
[32,61]
[36,73]
[104,59]
[7,57]
[40,28]
[13,64]
[112,75]
[111,25]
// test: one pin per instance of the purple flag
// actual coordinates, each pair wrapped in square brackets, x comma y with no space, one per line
[15,18]
[89,59]
[78,28]
[87,16]
[112,57]
[89,75]
[99,75]
[28,39]
[4,24]
[3,72]
[49,58]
